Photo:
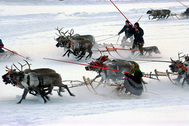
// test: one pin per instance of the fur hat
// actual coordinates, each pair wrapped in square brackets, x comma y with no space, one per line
[137,24]
[127,21]
[134,68]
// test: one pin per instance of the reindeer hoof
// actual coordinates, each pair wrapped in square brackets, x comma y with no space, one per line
[72,94]
[48,98]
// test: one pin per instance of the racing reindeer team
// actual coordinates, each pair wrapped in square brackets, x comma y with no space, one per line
[41,81]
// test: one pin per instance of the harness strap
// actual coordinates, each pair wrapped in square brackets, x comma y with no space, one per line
[28,80]
[184,68]
[17,83]
[71,43]
[41,81]
[9,73]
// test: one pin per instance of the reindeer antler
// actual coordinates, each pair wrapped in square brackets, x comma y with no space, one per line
[21,66]
[61,33]
[17,67]
[180,56]
[28,64]
[59,30]
[71,32]
[7,69]
[64,33]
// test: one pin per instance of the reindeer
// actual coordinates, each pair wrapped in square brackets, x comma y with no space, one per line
[186,57]
[164,13]
[186,13]
[118,77]
[107,75]
[76,44]
[148,50]
[180,67]
[152,13]
[41,81]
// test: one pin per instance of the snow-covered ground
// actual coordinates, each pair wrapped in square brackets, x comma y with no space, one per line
[29,28]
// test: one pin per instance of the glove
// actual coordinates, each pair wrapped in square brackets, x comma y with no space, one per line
[123,72]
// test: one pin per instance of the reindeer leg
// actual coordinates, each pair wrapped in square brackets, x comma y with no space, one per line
[72,53]
[33,92]
[66,87]
[68,51]
[75,53]
[96,77]
[90,54]
[23,95]
[183,81]
[49,90]
[65,53]
[42,93]
[59,91]
[81,55]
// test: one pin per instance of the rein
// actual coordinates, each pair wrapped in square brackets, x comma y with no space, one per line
[12,81]
[181,65]
[71,43]
[9,73]
[106,38]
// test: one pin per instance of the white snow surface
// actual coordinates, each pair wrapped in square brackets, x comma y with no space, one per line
[28,27]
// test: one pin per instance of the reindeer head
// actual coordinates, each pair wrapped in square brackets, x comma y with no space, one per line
[14,77]
[149,12]
[175,65]
[63,40]
[7,77]
[186,58]
[98,63]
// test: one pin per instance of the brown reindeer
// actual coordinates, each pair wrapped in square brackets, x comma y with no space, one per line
[180,67]
[164,13]
[78,45]
[41,81]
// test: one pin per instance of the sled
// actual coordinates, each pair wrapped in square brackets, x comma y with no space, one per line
[89,82]
[73,83]
[168,75]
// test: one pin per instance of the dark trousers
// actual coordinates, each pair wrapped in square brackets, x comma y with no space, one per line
[1,50]
[140,47]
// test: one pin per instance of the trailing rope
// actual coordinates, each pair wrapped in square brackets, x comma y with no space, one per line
[107,38]
[182,3]
[104,35]
[15,53]
[118,39]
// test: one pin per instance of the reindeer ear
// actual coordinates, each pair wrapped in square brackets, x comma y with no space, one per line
[171,59]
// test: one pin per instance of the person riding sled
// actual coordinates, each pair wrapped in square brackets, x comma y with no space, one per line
[1,45]
[128,33]
[138,38]
[186,13]
[133,81]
